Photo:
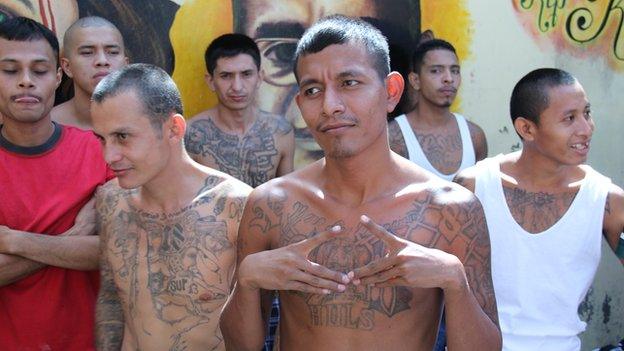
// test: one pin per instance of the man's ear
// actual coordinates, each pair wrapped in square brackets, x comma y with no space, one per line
[59,76]
[209,81]
[525,128]
[394,88]
[414,80]
[175,128]
[66,67]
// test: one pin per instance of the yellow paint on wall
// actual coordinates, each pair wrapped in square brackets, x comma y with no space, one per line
[449,20]
[190,34]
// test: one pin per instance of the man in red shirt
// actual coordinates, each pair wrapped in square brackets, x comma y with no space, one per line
[49,173]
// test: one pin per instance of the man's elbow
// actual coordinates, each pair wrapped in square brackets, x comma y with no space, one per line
[235,340]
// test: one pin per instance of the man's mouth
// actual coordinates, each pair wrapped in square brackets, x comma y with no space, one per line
[26,99]
[581,146]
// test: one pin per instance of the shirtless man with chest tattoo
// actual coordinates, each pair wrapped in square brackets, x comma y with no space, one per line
[345,282]
[547,213]
[168,224]
[235,136]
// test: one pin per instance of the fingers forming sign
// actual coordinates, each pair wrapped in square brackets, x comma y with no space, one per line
[405,264]
[288,268]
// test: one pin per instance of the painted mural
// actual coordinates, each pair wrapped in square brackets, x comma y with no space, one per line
[583,28]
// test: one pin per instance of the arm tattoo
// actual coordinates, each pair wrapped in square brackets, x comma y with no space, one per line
[252,158]
[109,321]
[536,212]
[395,136]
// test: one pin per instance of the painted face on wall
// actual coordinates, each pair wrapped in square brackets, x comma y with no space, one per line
[57,15]
[276,26]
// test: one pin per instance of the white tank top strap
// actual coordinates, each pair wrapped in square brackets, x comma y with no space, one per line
[468,153]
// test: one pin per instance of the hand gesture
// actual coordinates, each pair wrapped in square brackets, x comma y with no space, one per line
[288,268]
[406,264]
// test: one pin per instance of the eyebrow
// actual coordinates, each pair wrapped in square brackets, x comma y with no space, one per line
[12,60]
[89,46]
[280,29]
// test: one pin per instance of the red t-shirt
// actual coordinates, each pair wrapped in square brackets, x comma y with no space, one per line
[42,189]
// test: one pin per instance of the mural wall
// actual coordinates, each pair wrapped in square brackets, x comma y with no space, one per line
[497,41]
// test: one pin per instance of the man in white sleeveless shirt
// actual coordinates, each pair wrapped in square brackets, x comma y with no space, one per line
[431,135]
[546,212]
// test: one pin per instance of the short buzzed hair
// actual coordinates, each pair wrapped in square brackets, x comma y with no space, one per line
[339,30]
[88,22]
[530,96]
[418,57]
[230,45]
[26,29]
[155,89]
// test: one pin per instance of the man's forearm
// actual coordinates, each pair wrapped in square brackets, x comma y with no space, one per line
[241,321]
[72,252]
[14,268]
[468,327]
[109,319]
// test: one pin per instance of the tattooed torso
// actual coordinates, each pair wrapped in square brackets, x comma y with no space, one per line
[171,271]
[443,147]
[365,317]
[252,158]
[537,211]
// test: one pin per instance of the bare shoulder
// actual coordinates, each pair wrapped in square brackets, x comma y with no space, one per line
[479,142]
[275,123]
[395,137]
[613,222]
[61,113]
[467,178]
[223,193]
[204,115]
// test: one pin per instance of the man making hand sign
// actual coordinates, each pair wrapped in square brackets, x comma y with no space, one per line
[432,249]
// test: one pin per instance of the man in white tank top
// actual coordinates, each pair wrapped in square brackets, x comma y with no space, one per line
[431,135]
[546,212]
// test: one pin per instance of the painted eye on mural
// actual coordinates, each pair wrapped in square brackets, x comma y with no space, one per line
[277,59]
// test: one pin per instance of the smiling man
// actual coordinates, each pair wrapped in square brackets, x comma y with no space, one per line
[235,136]
[92,48]
[547,213]
[344,281]
[168,227]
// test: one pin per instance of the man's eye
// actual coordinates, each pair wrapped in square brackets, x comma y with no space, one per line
[281,56]
[122,136]
[85,52]
[350,82]
[311,91]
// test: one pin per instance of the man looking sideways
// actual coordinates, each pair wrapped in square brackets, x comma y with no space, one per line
[344,281]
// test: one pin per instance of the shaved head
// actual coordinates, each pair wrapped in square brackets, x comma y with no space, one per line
[87,22]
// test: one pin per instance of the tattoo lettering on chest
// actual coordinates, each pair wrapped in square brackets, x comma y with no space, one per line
[357,307]
[537,211]
[175,259]
[252,158]
[444,151]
